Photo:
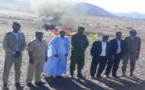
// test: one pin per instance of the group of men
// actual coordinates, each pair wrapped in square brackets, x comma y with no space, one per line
[52,58]
[110,53]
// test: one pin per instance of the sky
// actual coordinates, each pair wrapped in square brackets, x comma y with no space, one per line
[126,6]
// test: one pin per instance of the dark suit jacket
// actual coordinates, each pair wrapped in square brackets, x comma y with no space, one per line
[97,49]
[114,46]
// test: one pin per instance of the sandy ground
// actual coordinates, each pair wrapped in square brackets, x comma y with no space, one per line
[100,25]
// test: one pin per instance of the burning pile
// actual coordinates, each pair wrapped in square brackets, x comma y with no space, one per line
[52,29]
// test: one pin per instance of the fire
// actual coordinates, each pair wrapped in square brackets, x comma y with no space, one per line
[56,32]
[68,32]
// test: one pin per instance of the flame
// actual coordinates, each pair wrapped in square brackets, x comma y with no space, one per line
[69,32]
[56,32]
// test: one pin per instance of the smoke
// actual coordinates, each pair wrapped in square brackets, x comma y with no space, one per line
[60,13]
[56,12]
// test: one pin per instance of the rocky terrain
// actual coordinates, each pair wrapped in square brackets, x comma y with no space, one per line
[99,25]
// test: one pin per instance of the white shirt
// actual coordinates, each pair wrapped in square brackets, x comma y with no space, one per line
[17,38]
[119,46]
[104,46]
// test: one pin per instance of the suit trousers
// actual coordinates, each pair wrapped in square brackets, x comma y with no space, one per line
[95,61]
[113,65]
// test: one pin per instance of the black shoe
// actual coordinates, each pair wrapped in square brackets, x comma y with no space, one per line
[18,85]
[92,76]
[59,77]
[99,76]
[106,76]
[71,74]
[30,84]
[81,76]
[40,83]
[5,86]
[114,76]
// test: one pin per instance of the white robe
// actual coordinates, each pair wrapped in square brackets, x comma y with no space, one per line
[57,65]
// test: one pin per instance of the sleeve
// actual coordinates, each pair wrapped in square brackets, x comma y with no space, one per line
[111,47]
[67,45]
[139,41]
[30,47]
[24,44]
[125,42]
[45,44]
[52,45]
[86,43]
[5,45]
[93,48]
[74,42]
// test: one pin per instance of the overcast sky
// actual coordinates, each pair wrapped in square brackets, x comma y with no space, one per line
[120,5]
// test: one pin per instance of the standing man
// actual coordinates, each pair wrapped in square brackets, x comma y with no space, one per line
[79,43]
[13,44]
[100,52]
[37,50]
[59,48]
[132,49]
[117,51]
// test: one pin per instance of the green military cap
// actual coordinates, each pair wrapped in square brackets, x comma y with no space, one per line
[38,32]
[81,27]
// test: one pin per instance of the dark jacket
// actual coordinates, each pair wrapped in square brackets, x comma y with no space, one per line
[114,46]
[97,49]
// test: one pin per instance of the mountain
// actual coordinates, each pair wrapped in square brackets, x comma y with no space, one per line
[134,15]
[91,10]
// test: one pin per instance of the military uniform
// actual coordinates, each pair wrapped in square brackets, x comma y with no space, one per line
[77,56]
[38,49]
[131,50]
[11,44]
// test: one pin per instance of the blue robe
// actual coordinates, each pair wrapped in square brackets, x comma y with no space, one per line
[57,65]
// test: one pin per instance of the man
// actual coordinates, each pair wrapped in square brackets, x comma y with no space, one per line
[100,52]
[59,48]
[132,49]
[13,44]
[117,51]
[37,50]
[79,43]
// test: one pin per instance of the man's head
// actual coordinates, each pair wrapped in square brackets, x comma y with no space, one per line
[62,33]
[118,35]
[16,27]
[132,32]
[105,38]
[39,35]
[81,30]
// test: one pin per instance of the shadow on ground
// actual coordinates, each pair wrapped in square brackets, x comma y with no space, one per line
[96,84]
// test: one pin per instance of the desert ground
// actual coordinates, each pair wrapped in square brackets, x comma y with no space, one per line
[99,25]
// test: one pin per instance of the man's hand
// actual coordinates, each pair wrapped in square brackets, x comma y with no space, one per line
[83,49]
[137,57]
[17,54]
[66,54]
[56,55]
[46,59]
[31,60]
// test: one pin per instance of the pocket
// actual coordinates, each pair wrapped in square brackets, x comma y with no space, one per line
[10,40]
